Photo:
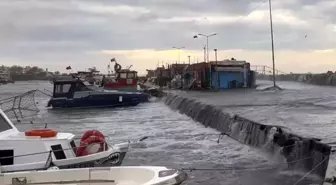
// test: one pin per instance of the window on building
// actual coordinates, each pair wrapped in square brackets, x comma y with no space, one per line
[58,152]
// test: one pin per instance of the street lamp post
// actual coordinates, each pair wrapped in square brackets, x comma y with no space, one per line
[179,49]
[207,51]
[271,23]
[217,73]
[207,42]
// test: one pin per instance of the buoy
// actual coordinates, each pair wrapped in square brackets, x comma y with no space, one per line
[84,149]
[42,133]
[91,133]
[89,139]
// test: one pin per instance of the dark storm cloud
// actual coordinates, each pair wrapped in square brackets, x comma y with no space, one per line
[63,27]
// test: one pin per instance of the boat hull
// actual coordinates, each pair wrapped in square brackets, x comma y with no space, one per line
[111,160]
[123,88]
[99,100]
[140,175]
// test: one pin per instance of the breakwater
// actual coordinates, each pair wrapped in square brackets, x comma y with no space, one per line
[328,79]
[300,153]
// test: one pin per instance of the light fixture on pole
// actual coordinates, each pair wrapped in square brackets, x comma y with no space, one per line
[207,42]
[179,49]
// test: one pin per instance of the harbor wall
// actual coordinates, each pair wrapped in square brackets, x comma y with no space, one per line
[328,79]
[300,153]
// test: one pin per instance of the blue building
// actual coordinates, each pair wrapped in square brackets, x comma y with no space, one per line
[230,74]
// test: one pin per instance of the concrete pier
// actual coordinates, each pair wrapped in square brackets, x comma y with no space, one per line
[328,79]
[299,152]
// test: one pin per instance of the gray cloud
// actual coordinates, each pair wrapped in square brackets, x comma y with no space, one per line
[49,30]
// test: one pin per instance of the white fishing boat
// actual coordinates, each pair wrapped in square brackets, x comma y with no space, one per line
[125,175]
[41,149]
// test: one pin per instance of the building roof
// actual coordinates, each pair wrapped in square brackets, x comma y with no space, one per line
[229,62]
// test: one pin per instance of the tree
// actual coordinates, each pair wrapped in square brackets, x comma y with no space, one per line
[35,70]
[93,69]
[57,73]
[16,69]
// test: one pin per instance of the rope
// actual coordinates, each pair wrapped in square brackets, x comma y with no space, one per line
[44,93]
[220,135]
[310,171]
[243,169]
[227,169]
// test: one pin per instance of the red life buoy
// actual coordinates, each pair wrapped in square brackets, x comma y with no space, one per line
[91,137]
[91,133]
[42,133]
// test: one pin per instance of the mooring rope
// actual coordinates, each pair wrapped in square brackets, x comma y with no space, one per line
[305,175]
[227,169]
[44,92]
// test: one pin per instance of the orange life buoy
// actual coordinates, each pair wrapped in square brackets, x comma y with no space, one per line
[91,140]
[42,133]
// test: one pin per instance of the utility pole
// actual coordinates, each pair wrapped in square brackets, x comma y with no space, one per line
[207,42]
[207,51]
[217,72]
[204,54]
[189,59]
[179,49]
[271,23]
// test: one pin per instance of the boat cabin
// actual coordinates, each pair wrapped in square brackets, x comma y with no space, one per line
[125,80]
[19,152]
[67,88]
[127,74]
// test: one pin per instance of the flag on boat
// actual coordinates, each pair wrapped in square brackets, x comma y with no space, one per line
[68,68]
[113,60]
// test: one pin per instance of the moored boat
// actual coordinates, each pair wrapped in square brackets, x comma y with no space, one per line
[74,93]
[41,149]
[122,79]
[126,175]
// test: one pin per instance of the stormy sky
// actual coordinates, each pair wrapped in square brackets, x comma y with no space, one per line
[84,33]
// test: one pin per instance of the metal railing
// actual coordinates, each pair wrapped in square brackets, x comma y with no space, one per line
[265,70]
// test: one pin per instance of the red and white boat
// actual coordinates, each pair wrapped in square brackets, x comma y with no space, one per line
[41,149]
[122,79]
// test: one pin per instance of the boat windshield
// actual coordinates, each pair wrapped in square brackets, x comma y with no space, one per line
[4,125]
[81,87]
[62,88]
